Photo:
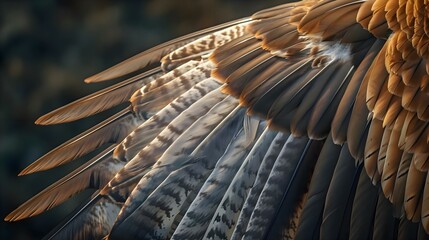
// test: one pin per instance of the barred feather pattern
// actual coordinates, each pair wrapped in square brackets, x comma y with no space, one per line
[224,132]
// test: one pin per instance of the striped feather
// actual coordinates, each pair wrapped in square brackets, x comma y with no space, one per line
[261,178]
[285,223]
[225,218]
[130,212]
[155,54]
[146,132]
[211,193]
[94,174]
[92,221]
[150,153]
[414,193]
[186,143]
[112,130]
[372,149]
[169,76]
[400,183]
[203,45]
[157,98]
[281,176]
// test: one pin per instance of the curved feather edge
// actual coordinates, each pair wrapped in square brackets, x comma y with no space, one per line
[311,217]
[339,200]
[93,220]
[112,130]
[155,54]
[99,101]
[93,174]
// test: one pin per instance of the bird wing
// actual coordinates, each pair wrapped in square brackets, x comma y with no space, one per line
[305,120]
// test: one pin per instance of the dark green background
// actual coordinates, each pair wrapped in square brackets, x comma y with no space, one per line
[47,48]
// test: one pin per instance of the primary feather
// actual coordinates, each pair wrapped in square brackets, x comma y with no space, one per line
[305,120]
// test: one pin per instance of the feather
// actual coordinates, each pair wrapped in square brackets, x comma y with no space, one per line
[261,178]
[212,191]
[94,220]
[400,183]
[270,71]
[363,210]
[308,227]
[372,149]
[407,229]
[286,220]
[157,215]
[339,199]
[261,98]
[302,116]
[99,101]
[112,130]
[147,131]
[414,193]
[221,53]
[292,97]
[238,80]
[213,102]
[232,202]
[376,79]
[421,235]
[359,123]
[169,76]
[236,59]
[93,174]
[385,225]
[277,185]
[323,112]
[159,97]
[186,143]
[197,48]
[382,153]
[425,206]
[342,116]
[391,164]
[421,161]
[155,54]
[153,178]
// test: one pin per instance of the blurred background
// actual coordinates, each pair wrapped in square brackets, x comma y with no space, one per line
[47,48]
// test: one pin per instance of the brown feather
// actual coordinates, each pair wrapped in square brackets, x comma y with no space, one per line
[341,120]
[377,78]
[224,51]
[425,206]
[112,130]
[93,174]
[421,160]
[400,183]
[155,54]
[381,159]
[393,111]
[414,193]
[99,101]
[238,79]
[372,148]
[393,159]
[322,112]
